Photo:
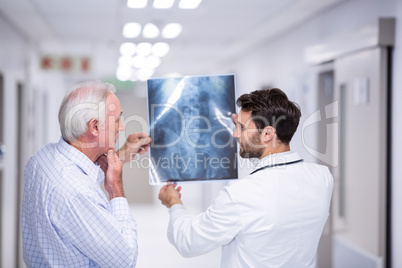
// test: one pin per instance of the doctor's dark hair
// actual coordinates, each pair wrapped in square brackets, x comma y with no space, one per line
[271,107]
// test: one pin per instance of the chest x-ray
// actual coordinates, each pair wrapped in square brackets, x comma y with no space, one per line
[191,128]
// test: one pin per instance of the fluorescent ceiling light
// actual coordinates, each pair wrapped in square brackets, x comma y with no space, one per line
[131,30]
[150,31]
[124,62]
[123,74]
[137,3]
[189,4]
[145,73]
[133,76]
[163,3]
[144,49]
[138,62]
[172,30]
[160,49]
[152,61]
[127,49]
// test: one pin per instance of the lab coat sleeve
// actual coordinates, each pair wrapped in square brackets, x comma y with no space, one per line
[196,235]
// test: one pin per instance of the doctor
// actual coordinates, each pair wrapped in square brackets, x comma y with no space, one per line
[274,217]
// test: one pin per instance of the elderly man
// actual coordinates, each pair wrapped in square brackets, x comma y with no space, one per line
[67,221]
[274,217]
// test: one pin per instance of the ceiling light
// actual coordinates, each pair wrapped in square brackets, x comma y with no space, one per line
[133,76]
[160,49]
[145,73]
[150,31]
[152,61]
[137,3]
[144,49]
[123,74]
[163,3]
[172,30]
[124,61]
[127,49]
[189,4]
[138,62]
[131,30]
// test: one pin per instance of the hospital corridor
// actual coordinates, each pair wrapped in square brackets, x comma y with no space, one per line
[340,61]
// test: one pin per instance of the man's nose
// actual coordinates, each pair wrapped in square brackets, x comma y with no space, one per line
[236,133]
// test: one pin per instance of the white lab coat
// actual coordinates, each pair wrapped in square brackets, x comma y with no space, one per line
[272,218]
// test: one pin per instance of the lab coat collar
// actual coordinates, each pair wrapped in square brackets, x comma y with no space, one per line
[278,159]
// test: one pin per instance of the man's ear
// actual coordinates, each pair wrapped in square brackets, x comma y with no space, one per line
[268,133]
[93,126]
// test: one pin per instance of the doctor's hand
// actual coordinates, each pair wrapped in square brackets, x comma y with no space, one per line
[136,143]
[169,195]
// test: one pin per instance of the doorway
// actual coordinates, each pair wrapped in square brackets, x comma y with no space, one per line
[360,195]
[1,156]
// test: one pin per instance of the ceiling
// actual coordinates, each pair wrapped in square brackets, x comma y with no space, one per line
[215,32]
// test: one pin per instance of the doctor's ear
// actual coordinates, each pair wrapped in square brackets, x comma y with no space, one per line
[268,133]
[93,126]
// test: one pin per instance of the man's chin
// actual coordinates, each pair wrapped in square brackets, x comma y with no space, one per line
[246,155]
[243,154]
[106,149]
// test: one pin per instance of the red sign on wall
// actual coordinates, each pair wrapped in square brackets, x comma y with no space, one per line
[65,63]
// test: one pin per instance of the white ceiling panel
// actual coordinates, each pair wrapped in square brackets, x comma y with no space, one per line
[217,30]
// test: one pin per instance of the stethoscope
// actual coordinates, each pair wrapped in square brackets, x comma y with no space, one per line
[275,165]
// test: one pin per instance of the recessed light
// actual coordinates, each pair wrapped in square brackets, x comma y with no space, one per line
[145,73]
[144,49]
[137,3]
[152,61]
[133,76]
[138,61]
[160,49]
[131,30]
[124,62]
[127,49]
[123,74]
[172,30]
[150,31]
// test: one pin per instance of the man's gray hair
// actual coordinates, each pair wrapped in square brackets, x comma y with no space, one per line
[82,103]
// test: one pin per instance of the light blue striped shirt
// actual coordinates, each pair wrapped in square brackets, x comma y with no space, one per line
[67,221]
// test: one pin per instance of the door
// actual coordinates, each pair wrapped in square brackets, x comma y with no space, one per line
[1,157]
[360,195]
[326,147]
[20,169]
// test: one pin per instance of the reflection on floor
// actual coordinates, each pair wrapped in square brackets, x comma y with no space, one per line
[154,248]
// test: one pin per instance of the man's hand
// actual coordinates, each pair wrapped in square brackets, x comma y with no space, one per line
[112,167]
[169,195]
[136,143]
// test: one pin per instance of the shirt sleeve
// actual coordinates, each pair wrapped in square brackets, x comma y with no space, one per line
[196,235]
[106,235]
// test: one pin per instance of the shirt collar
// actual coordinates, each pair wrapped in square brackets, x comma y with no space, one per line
[278,159]
[81,160]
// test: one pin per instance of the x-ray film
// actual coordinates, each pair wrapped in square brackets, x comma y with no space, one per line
[191,128]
